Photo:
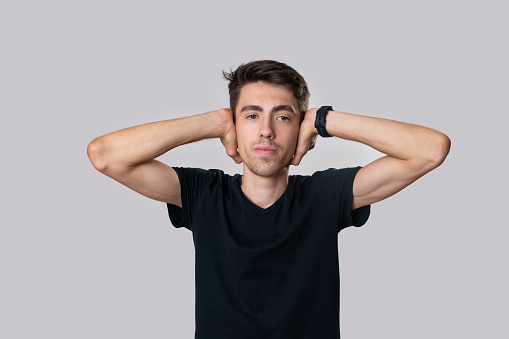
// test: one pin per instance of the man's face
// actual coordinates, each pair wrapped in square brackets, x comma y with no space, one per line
[267,125]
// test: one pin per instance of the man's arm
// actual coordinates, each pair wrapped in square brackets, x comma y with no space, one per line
[411,151]
[128,155]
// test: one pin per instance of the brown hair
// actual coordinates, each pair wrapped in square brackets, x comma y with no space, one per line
[272,72]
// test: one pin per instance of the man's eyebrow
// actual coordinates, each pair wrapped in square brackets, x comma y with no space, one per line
[274,109]
[252,108]
[283,108]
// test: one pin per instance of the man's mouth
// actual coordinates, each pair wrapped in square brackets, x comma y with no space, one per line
[265,150]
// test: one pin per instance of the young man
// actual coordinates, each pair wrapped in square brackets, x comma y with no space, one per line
[266,262]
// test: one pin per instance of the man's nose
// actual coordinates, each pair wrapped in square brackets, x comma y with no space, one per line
[266,128]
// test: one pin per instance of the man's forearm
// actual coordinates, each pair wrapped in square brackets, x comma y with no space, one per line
[139,144]
[397,139]
[411,150]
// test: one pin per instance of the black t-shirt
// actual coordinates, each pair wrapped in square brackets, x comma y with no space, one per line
[266,273]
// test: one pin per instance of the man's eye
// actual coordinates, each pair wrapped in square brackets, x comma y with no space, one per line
[283,118]
[252,116]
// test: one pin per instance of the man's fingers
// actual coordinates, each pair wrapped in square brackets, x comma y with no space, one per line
[303,146]
[296,159]
[230,145]
[299,154]
[232,152]
[312,144]
[237,159]
[229,138]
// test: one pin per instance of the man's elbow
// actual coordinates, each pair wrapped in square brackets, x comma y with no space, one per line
[439,150]
[94,152]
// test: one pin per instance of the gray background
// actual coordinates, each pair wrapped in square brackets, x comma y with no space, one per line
[81,256]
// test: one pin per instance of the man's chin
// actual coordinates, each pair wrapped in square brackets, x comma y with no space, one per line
[267,171]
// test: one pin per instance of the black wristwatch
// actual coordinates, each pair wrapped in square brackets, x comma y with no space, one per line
[320,121]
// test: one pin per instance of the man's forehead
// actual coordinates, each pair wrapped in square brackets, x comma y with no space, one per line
[267,96]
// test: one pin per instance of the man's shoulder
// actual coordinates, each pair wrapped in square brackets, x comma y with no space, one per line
[202,176]
[327,180]
[345,171]
[200,171]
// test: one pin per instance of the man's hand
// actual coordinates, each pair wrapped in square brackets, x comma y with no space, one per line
[307,136]
[229,135]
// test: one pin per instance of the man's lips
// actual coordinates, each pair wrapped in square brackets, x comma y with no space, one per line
[265,150]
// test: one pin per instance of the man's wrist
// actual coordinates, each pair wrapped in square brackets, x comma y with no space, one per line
[224,122]
[320,121]
[309,120]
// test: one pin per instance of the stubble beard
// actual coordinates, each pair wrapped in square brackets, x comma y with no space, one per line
[265,166]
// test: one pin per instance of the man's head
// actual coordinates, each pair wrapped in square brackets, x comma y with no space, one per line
[269,71]
[268,100]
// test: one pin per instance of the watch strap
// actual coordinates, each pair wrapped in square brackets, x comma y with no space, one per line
[320,121]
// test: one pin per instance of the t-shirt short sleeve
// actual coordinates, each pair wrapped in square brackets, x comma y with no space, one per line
[337,185]
[193,181]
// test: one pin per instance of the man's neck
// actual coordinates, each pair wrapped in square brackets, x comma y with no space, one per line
[264,191]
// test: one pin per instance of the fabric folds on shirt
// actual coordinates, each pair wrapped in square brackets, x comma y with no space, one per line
[266,273]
